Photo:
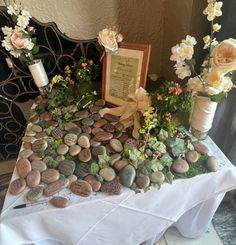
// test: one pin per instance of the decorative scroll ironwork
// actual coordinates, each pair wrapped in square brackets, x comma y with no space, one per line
[16,83]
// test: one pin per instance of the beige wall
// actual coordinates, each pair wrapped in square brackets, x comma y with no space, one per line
[162,23]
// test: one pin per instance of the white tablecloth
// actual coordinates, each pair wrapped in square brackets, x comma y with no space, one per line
[127,219]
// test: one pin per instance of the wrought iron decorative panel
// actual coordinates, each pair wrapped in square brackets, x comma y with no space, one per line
[16,84]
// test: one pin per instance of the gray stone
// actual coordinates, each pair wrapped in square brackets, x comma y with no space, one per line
[83,141]
[56,187]
[74,150]
[99,150]
[38,165]
[143,182]
[127,175]
[157,177]
[39,146]
[212,163]
[114,158]
[25,153]
[35,193]
[62,149]
[108,174]
[70,139]
[87,121]
[116,145]
[33,178]
[67,167]
[180,166]
[192,156]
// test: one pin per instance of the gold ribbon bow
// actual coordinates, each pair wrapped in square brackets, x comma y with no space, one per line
[131,111]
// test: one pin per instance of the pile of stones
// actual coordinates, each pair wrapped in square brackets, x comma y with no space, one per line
[59,155]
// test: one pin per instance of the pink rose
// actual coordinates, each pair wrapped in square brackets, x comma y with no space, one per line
[17,41]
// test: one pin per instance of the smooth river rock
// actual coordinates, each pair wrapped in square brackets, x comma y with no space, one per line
[33,178]
[38,165]
[192,156]
[108,174]
[103,136]
[85,155]
[35,193]
[157,177]
[23,167]
[212,163]
[59,202]
[67,167]
[70,139]
[95,184]
[81,188]
[143,182]
[127,175]
[56,187]
[49,176]
[116,145]
[200,147]
[180,166]
[17,186]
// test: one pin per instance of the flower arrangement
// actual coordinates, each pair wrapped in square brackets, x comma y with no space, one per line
[20,39]
[214,80]
[73,84]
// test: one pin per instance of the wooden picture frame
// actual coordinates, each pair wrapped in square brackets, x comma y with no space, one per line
[124,71]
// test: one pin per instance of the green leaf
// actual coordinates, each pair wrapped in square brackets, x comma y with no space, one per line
[103,160]
[169,177]
[94,168]
[163,135]
[133,155]
[166,160]
[156,165]
[218,97]
[35,50]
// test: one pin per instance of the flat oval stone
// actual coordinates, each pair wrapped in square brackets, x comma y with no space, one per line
[95,109]
[86,129]
[85,155]
[81,188]
[46,116]
[180,166]
[74,150]
[75,130]
[132,142]
[41,135]
[200,147]
[34,119]
[62,149]
[96,130]
[108,127]
[143,182]
[38,165]
[99,150]
[69,125]
[26,145]
[33,178]
[59,202]
[87,121]
[100,102]
[60,158]
[108,174]
[56,187]
[67,167]
[26,153]
[114,158]
[119,126]
[28,139]
[48,160]
[111,188]
[49,176]
[121,164]
[96,117]
[34,156]
[72,178]
[82,170]
[127,175]
[83,141]
[39,146]
[116,145]
[36,128]
[95,184]
[70,139]
[111,118]
[192,156]
[94,143]
[17,186]
[30,133]
[72,108]
[103,136]
[35,193]
[23,167]
[157,177]
[100,123]
[212,163]
[52,123]
[57,133]
[117,134]
[82,114]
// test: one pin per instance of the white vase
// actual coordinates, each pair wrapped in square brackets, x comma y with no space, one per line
[202,116]
[39,75]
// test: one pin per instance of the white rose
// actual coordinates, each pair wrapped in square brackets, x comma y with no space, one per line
[107,38]
[224,56]
[195,84]
[28,44]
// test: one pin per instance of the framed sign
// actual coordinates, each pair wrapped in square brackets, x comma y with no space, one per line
[124,71]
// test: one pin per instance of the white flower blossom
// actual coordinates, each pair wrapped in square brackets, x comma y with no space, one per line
[216,27]
[186,51]
[190,40]
[213,10]
[182,70]
[7,31]
[26,14]
[13,9]
[22,21]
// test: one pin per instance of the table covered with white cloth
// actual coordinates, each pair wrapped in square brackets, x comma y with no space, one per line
[127,219]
